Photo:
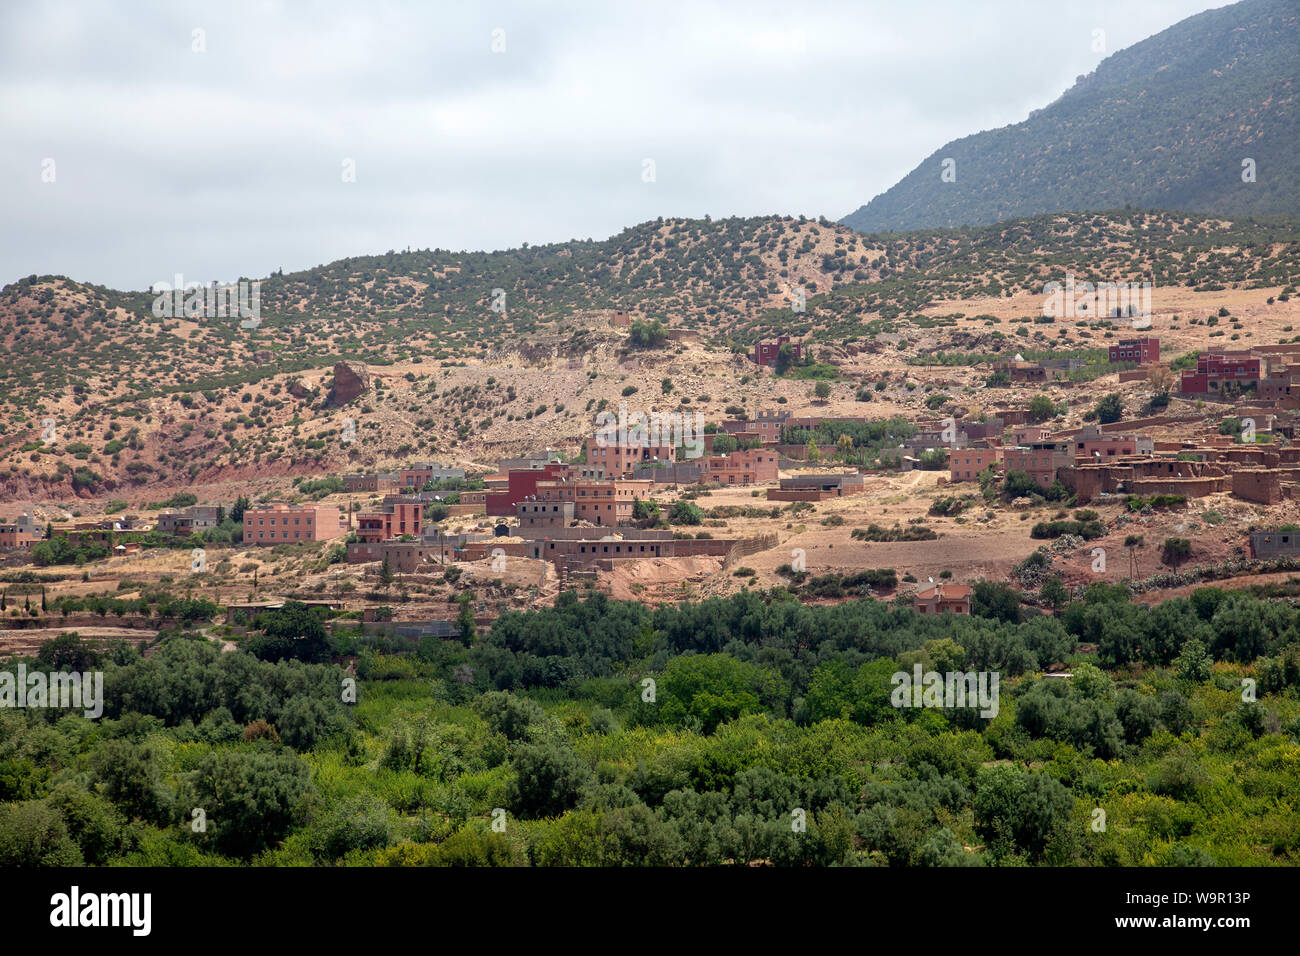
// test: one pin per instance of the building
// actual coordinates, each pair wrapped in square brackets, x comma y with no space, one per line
[943,599]
[1040,460]
[280,523]
[190,520]
[768,424]
[1217,369]
[817,487]
[1021,371]
[740,467]
[1091,443]
[765,353]
[579,549]
[520,485]
[925,438]
[619,459]
[671,473]
[1274,543]
[966,464]
[600,501]
[1145,350]
[423,472]
[534,515]
[1027,433]
[15,536]
[380,482]
[538,459]
[400,515]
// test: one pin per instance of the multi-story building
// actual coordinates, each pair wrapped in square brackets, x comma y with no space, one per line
[1040,459]
[1027,433]
[608,502]
[740,467]
[381,482]
[619,459]
[965,464]
[534,515]
[1091,443]
[399,516]
[538,459]
[280,523]
[520,484]
[1145,350]
[15,536]
[1216,369]
[766,427]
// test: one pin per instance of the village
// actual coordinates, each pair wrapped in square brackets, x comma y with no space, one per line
[577,517]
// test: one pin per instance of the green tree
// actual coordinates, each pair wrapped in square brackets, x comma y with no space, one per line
[1110,409]
[251,799]
[713,688]
[995,600]
[548,780]
[685,512]
[294,632]
[33,834]
[1053,593]
[1041,408]
[465,625]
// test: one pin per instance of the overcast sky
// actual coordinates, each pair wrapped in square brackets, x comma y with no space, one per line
[222,153]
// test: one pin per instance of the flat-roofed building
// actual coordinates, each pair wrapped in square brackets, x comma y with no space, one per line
[608,502]
[1040,460]
[15,536]
[422,472]
[281,523]
[965,464]
[750,467]
[189,520]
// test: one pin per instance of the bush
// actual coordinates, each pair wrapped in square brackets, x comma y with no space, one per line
[684,512]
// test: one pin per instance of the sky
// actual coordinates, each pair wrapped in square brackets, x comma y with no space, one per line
[143,140]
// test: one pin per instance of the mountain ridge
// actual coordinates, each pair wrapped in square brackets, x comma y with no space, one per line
[1102,144]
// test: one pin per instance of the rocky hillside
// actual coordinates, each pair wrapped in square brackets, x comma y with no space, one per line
[426,368]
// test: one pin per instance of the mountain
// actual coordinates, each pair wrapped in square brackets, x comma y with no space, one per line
[1164,124]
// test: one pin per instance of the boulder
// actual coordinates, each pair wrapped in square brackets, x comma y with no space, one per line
[351,381]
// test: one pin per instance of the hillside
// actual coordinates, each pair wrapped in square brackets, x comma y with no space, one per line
[1163,124]
[143,402]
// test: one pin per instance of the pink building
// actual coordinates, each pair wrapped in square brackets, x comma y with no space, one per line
[967,463]
[280,523]
[615,459]
[740,467]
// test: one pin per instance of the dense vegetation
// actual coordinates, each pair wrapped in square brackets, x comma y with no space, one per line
[729,731]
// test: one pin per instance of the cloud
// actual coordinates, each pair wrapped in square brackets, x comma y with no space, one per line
[229,162]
